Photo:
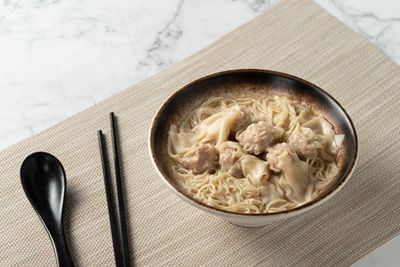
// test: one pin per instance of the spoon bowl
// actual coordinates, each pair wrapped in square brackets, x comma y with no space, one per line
[44,182]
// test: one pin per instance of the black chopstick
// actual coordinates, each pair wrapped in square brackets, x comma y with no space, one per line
[120,196]
[110,203]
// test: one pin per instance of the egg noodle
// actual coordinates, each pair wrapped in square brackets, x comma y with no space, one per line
[298,176]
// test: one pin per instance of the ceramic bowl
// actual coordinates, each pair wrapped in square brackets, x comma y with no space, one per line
[252,83]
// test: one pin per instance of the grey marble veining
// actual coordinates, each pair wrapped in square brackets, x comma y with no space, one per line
[58,57]
[378,21]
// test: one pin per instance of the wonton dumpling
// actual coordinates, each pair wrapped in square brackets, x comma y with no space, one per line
[315,137]
[200,158]
[338,140]
[331,144]
[270,192]
[319,125]
[295,179]
[305,142]
[229,153]
[218,126]
[242,121]
[180,141]
[258,137]
[273,154]
[254,168]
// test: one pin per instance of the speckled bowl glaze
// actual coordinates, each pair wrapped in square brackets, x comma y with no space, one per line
[251,83]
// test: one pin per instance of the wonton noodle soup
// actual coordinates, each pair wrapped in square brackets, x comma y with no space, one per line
[250,155]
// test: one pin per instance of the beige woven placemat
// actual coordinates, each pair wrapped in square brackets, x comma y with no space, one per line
[297,37]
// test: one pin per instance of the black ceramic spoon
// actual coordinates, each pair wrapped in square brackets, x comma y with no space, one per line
[44,183]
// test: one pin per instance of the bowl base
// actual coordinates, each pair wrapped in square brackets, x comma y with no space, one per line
[248,225]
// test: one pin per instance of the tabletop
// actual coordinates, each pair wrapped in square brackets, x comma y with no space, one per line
[59,57]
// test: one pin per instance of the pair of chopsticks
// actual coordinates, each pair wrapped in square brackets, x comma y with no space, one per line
[121,256]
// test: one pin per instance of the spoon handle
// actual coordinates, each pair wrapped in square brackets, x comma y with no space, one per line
[64,258]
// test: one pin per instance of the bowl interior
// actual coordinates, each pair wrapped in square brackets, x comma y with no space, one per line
[251,83]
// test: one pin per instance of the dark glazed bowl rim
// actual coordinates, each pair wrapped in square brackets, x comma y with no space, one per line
[306,206]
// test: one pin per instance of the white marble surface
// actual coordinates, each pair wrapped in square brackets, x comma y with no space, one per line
[58,57]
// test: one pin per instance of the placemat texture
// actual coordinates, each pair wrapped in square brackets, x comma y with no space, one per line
[297,37]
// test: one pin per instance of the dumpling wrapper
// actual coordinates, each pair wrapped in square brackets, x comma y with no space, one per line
[270,192]
[218,126]
[320,131]
[338,140]
[324,129]
[180,141]
[279,205]
[319,125]
[295,179]
[254,168]
[215,128]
